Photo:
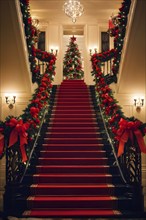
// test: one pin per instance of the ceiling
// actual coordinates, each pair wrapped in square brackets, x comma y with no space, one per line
[95,12]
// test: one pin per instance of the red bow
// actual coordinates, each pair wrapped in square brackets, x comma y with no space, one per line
[126,131]
[19,130]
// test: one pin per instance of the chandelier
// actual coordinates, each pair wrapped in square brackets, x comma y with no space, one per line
[73,9]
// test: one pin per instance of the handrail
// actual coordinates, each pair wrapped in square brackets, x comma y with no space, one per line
[119,35]
[98,103]
[113,149]
[34,145]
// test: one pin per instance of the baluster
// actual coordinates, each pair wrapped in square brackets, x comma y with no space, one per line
[111,67]
[104,68]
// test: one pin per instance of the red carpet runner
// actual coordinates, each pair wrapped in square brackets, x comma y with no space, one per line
[72,178]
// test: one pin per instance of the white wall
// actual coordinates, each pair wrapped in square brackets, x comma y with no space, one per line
[15,75]
[54,41]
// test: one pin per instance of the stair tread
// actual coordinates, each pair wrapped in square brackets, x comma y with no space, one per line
[73,175]
[70,138]
[44,185]
[73,166]
[82,122]
[72,145]
[72,198]
[77,158]
[73,128]
[66,133]
[71,212]
[73,151]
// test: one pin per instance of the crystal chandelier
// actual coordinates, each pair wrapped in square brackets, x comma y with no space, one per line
[73,9]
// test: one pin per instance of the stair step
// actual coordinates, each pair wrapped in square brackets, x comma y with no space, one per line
[70,111]
[74,99]
[73,154]
[67,213]
[72,169]
[73,91]
[73,140]
[73,107]
[75,178]
[72,147]
[82,87]
[73,124]
[73,129]
[78,189]
[72,161]
[84,116]
[67,119]
[73,134]
[73,95]
[72,189]
[106,202]
[66,104]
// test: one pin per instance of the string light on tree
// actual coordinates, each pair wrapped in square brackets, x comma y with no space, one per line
[72,65]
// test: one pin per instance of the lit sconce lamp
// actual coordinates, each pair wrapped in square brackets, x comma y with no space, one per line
[138,102]
[10,101]
[95,51]
[54,51]
[35,22]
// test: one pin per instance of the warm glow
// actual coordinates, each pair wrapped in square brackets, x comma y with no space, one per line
[93,49]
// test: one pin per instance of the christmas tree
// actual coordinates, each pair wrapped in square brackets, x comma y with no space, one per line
[72,65]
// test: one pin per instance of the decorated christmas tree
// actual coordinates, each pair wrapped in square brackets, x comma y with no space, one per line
[72,65]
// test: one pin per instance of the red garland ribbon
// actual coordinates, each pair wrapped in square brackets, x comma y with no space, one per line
[1,144]
[19,131]
[140,141]
[126,131]
[111,25]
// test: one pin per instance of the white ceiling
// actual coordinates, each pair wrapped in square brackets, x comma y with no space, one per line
[95,11]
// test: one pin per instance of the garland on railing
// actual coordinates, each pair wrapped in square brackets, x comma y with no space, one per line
[118,34]
[120,127]
[23,129]
[30,39]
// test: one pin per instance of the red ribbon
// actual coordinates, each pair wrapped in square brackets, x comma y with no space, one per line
[1,144]
[111,25]
[19,131]
[140,141]
[126,131]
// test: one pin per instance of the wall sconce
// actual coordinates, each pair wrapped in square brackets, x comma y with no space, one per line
[35,22]
[138,102]
[10,101]
[95,51]
[54,51]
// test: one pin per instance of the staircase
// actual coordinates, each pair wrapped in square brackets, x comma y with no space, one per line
[75,175]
